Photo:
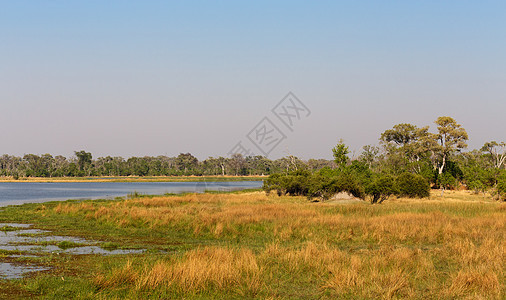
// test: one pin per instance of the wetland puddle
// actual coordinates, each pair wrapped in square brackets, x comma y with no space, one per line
[19,243]
[16,271]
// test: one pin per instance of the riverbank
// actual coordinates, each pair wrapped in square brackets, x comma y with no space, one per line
[253,245]
[135,179]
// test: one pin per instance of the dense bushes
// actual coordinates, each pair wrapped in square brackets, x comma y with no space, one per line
[325,184]
[357,181]
[501,187]
[381,187]
[412,186]
[294,183]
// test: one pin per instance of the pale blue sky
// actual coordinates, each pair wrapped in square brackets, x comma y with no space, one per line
[135,78]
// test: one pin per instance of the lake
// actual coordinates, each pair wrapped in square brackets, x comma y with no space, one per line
[13,193]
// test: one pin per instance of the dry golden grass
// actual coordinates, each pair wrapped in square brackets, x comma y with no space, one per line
[401,249]
[197,270]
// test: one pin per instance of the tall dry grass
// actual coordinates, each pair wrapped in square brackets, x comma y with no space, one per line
[289,248]
[210,268]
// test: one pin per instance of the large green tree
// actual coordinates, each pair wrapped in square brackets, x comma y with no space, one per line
[340,153]
[407,146]
[186,162]
[83,159]
[451,137]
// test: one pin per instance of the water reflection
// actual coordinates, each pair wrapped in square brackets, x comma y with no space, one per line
[14,193]
[19,241]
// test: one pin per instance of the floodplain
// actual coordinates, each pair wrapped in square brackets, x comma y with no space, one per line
[253,245]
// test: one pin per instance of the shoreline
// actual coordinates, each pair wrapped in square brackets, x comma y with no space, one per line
[134,179]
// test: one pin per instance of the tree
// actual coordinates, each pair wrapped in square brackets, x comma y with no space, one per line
[61,166]
[497,152]
[340,153]
[83,159]
[369,154]
[222,161]
[10,165]
[451,138]
[401,134]
[259,165]
[237,163]
[186,162]
[446,181]
[317,164]
[407,146]
[39,166]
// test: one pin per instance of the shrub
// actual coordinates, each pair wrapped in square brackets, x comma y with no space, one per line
[501,188]
[294,183]
[325,184]
[381,187]
[273,183]
[322,186]
[348,182]
[412,186]
[447,181]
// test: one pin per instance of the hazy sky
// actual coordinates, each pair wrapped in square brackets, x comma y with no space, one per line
[135,78]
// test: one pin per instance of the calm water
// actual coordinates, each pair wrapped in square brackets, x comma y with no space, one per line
[12,193]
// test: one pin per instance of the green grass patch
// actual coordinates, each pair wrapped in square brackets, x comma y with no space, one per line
[109,246]
[6,228]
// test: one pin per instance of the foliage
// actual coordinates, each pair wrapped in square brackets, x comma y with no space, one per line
[295,183]
[451,137]
[83,161]
[412,186]
[356,179]
[381,187]
[340,153]
[501,187]
[369,155]
[323,184]
[447,181]
[31,165]
[497,153]
[405,148]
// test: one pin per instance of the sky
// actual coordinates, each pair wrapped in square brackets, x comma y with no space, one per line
[137,78]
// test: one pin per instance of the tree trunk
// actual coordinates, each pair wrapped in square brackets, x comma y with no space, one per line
[442,164]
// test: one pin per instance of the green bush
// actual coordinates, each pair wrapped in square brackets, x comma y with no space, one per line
[273,183]
[348,182]
[321,185]
[412,186]
[294,183]
[380,188]
[447,181]
[501,187]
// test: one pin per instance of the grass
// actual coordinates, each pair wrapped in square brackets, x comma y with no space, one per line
[67,244]
[6,228]
[109,246]
[252,245]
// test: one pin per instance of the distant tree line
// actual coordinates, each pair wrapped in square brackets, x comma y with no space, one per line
[408,161]
[437,156]
[185,164]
